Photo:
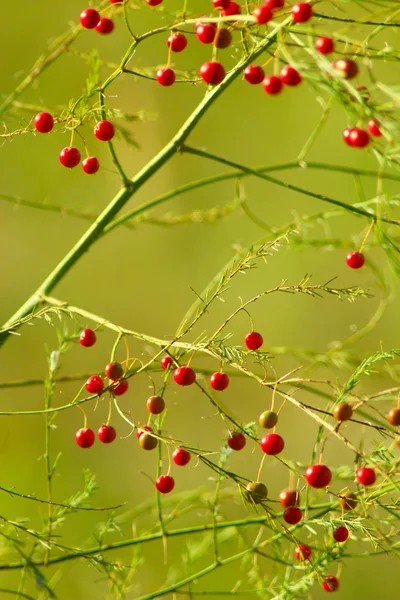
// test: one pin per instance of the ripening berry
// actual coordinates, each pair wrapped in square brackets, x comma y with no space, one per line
[221,4]
[355,260]
[87,338]
[289,497]
[89,18]
[106,434]
[272,85]
[165,484]
[341,534]
[324,45]
[148,441]
[262,14]
[373,128]
[94,384]
[166,362]
[268,419]
[302,552]
[181,457]
[257,491]
[346,67]
[254,74]
[318,476]
[105,26]
[177,42]
[153,2]
[223,38]
[366,476]
[292,515]
[114,370]
[184,376]
[143,430]
[70,157]
[155,405]
[289,76]
[236,440]
[90,165]
[219,381]
[348,501]
[331,583]
[120,388]
[212,73]
[253,340]
[104,131]
[393,416]
[205,32]
[85,437]
[342,412]
[302,12]
[165,77]
[43,122]
[272,444]
[233,9]
[274,4]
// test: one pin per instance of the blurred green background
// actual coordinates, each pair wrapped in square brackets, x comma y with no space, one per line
[144,280]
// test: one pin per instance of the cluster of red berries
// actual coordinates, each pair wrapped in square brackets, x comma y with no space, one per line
[91,19]
[70,156]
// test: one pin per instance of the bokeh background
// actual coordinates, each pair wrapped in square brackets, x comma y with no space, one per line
[144,279]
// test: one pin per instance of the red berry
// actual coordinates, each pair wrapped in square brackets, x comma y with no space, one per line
[302,12]
[223,38]
[346,67]
[289,76]
[177,42]
[373,128]
[89,18]
[253,340]
[393,416]
[105,26]
[90,165]
[272,85]
[346,135]
[70,157]
[153,2]
[106,434]
[87,338]
[289,497]
[262,14]
[274,4]
[341,534]
[236,440]
[324,45]
[116,1]
[219,381]
[43,122]
[233,9]
[253,74]
[155,405]
[355,260]
[104,131]
[272,444]
[85,437]
[165,484]
[121,387]
[212,73]
[114,370]
[292,515]
[302,552]
[142,430]
[358,138]
[205,32]
[221,4]
[184,376]
[331,583]
[94,384]
[166,362]
[165,77]
[366,476]
[318,476]
[181,457]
